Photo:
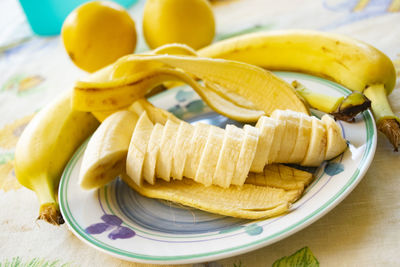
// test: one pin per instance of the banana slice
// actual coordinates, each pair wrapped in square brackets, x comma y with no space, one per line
[280,176]
[289,136]
[228,156]
[105,154]
[151,158]
[197,144]
[209,159]
[182,146]
[302,141]
[137,148]
[276,142]
[246,156]
[335,144]
[168,140]
[266,128]
[246,201]
[316,150]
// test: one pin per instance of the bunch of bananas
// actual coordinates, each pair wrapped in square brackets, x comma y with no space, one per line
[232,85]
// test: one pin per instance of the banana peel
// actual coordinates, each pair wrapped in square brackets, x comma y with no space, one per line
[247,201]
[45,147]
[260,87]
[240,91]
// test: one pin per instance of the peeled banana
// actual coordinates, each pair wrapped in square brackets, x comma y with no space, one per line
[354,64]
[211,155]
[45,147]
[105,154]
[213,159]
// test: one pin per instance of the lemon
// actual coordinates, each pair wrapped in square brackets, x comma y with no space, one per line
[97,33]
[189,22]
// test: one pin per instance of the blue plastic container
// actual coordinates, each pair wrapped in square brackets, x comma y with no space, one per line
[47,16]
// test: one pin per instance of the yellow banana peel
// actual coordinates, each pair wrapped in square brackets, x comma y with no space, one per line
[45,147]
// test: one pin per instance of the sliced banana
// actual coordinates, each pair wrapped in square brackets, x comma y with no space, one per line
[335,144]
[266,128]
[181,149]
[289,136]
[246,156]
[228,156]
[302,141]
[105,154]
[197,144]
[137,148]
[316,150]
[276,143]
[165,155]
[209,158]
[150,161]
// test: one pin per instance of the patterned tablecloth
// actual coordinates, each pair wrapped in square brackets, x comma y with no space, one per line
[364,230]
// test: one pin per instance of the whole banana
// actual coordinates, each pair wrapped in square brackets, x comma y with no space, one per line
[354,64]
[45,147]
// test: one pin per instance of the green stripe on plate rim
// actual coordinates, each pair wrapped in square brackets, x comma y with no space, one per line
[370,133]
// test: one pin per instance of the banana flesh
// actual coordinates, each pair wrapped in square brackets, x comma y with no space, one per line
[225,157]
[138,147]
[151,159]
[167,144]
[45,147]
[255,195]
[229,155]
[181,149]
[105,154]
[266,128]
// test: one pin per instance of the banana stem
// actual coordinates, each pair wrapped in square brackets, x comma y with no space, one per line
[387,122]
[49,209]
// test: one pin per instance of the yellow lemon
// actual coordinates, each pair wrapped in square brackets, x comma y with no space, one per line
[189,22]
[97,33]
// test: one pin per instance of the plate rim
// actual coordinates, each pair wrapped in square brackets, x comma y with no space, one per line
[356,177]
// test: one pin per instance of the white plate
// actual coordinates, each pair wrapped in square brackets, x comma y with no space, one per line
[120,222]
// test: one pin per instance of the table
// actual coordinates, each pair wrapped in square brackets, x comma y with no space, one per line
[361,231]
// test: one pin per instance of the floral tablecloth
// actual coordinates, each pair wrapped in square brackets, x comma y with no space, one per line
[364,230]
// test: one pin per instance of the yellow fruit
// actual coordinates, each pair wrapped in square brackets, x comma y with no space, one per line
[188,22]
[354,64]
[45,147]
[97,33]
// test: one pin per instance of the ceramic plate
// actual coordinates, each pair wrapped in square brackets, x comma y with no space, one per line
[118,221]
